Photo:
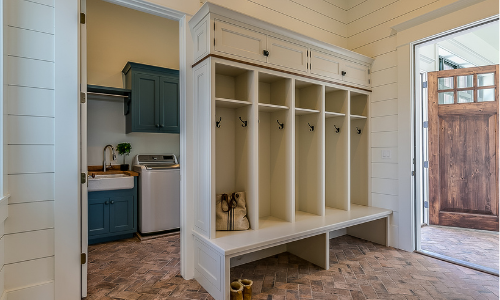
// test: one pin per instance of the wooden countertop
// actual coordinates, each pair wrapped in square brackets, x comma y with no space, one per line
[114,169]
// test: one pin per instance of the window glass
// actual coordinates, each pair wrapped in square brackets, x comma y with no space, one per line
[485,95]
[465,81]
[445,83]
[465,96]
[486,79]
[446,98]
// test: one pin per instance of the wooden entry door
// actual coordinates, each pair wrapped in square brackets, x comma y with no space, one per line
[463,148]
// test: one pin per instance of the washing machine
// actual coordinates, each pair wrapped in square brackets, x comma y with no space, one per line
[159,192]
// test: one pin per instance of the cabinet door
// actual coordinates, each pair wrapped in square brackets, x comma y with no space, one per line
[145,102]
[287,54]
[355,73]
[98,215]
[239,41]
[169,104]
[121,213]
[326,65]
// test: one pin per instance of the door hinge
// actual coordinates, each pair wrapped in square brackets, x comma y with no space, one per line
[368,71]
[82,98]
[83,258]
[426,124]
[83,178]
[424,85]
[82,18]
[412,173]
[426,204]
[426,164]
[369,81]
[214,41]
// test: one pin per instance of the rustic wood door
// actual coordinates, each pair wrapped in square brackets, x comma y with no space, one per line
[463,148]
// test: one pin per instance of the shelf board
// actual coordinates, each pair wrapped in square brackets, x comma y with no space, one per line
[331,114]
[304,111]
[271,107]
[273,231]
[357,117]
[97,92]
[230,103]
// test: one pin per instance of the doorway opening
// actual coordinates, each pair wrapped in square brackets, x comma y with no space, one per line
[456,146]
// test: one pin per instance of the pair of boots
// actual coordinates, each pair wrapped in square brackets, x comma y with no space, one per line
[241,289]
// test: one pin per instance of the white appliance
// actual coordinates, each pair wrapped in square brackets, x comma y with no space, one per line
[159,192]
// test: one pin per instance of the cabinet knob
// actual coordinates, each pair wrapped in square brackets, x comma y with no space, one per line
[112,202]
[344,73]
[266,53]
[106,203]
[157,125]
[161,126]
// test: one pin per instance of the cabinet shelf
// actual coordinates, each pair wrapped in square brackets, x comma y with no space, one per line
[357,117]
[304,111]
[230,103]
[331,114]
[271,107]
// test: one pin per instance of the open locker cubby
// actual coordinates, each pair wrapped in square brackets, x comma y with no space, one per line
[274,92]
[232,86]
[308,98]
[336,149]
[360,133]
[335,102]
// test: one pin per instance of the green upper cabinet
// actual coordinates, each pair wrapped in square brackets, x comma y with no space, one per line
[154,102]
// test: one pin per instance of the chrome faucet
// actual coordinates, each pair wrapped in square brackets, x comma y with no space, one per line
[104,156]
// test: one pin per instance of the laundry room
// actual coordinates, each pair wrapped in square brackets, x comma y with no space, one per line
[132,135]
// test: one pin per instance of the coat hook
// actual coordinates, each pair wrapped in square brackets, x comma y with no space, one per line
[311,127]
[281,125]
[245,123]
[217,123]
[337,130]
[358,130]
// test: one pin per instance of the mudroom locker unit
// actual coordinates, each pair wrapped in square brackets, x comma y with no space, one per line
[285,119]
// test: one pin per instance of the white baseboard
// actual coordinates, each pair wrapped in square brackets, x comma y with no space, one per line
[43,291]
[337,233]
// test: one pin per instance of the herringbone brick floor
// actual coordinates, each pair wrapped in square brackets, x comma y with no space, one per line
[149,270]
[479,247]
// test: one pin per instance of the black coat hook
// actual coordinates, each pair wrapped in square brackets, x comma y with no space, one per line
[281,125]
[358,130]
[311,127]
[217,123]
[337,130]
[245,123]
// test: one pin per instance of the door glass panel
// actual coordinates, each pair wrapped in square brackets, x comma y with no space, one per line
[445,83]
[486,79]
[446,98]
[465,96]
[485,95]
[465,81]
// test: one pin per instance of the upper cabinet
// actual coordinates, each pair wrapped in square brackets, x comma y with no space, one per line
[216,32]
[154,101]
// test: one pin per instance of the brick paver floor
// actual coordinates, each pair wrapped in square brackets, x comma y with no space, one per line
[479,247]
[149,270]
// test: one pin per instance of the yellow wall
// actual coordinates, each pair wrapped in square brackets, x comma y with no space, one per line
[116,34]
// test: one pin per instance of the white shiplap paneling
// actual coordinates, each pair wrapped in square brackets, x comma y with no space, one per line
[41,187]
[385,123]
[28,273]
[29,15]
[384,139]
[377,155]
[384,108]
[29,44]
[30,130]
[30,72]
[385,76]
[39,292]
[384,61]
[30,159]
[29,245]
[385,186]
[385,170]
[30,101]
[384,92]
[30,216]
[385,201]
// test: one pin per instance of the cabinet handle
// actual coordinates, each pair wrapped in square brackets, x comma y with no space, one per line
[266,53]
[106,203]
[112,202]
[344,73]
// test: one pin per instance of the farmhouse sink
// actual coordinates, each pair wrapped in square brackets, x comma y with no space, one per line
[107,182]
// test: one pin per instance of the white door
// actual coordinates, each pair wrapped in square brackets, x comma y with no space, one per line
[287,54]
[324,64]
[355,73]
[83,145]
[239,41]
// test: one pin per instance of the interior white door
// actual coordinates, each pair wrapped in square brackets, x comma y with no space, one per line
[324,64]
[287,54]
[83,145]
[355,73]
[239,41]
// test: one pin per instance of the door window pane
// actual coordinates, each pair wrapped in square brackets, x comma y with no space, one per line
[465,96]
[485,95]
[445,83]
[486,79]
[446,98]
[465,81]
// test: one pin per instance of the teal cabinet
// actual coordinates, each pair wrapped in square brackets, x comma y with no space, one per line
[154,102]
[112,215]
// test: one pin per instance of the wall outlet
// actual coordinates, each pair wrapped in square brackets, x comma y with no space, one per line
[386,154]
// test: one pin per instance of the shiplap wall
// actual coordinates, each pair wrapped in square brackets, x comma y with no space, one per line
[29,146]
